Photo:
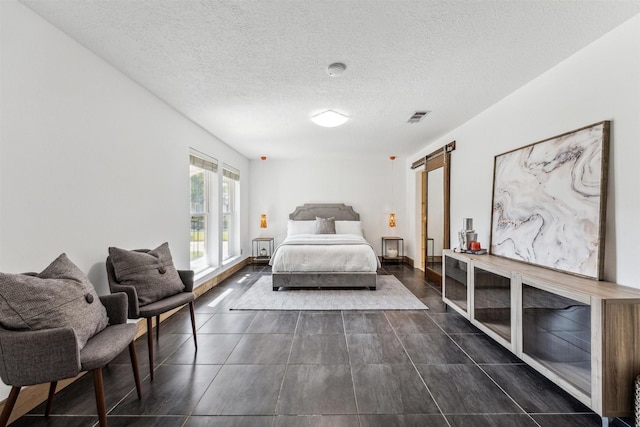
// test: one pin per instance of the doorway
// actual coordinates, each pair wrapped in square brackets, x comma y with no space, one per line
[433,188]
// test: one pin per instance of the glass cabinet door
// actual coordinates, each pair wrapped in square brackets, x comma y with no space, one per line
[492,301]
[455,282]
[557,334]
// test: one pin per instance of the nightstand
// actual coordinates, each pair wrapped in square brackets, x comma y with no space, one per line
[262,249]
[392,248]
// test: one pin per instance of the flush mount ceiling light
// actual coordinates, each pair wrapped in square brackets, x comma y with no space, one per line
[329,119]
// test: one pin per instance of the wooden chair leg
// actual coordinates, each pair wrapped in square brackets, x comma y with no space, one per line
[150,343]
[133,354]
[52,392]
[98,386]
[158,328]
[8,405]
[193,323]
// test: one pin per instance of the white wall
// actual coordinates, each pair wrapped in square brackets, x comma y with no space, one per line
[600,82]
[278,186]
[88,159]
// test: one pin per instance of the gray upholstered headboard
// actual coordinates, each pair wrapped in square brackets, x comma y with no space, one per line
[339,211]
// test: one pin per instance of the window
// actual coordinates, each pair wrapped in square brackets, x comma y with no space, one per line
[203,172]
[230,212]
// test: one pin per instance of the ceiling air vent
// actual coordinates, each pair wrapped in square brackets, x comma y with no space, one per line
[417,116]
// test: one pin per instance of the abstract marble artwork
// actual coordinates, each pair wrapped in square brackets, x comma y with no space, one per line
[549,202]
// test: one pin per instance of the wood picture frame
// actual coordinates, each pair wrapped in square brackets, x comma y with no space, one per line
[549,202]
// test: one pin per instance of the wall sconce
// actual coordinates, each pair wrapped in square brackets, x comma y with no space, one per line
[263,217]
[392,215]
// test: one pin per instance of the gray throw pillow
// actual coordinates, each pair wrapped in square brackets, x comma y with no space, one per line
[325,225]
[60,296]
[152,273]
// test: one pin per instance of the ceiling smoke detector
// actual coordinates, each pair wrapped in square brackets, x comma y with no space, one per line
[336,69]
[417,116]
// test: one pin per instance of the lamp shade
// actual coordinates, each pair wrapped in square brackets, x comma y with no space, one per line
[263,221]
[392,220]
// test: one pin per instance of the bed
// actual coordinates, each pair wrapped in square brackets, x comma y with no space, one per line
[312,256]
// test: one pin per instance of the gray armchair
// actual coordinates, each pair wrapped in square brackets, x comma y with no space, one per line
[50,355]
[157,308]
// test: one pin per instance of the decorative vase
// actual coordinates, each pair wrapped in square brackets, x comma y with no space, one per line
[263,252]
[466,235]
[392,253]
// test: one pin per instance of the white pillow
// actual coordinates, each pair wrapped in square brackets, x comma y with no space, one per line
[301,227]
[349,227]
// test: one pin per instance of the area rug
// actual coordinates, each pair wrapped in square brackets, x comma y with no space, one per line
[389,295]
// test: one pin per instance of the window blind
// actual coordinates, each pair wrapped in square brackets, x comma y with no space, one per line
[210,165]
[231,173]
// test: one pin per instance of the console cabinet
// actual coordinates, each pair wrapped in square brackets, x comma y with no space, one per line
[582,334]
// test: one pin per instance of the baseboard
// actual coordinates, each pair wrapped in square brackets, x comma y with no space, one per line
[34,395]
[215,280]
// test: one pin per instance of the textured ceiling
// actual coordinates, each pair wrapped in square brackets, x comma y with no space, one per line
[253,72]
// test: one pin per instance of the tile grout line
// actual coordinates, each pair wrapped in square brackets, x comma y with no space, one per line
[415,368]
[353,382]
[475,363]
[286,368]
[482,370]
[190,414]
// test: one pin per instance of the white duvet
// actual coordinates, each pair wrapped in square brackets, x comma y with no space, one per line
[324,252]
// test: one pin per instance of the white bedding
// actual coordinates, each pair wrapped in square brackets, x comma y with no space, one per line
[324,252]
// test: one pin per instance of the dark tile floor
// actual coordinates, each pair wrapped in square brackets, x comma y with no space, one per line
[314,369]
